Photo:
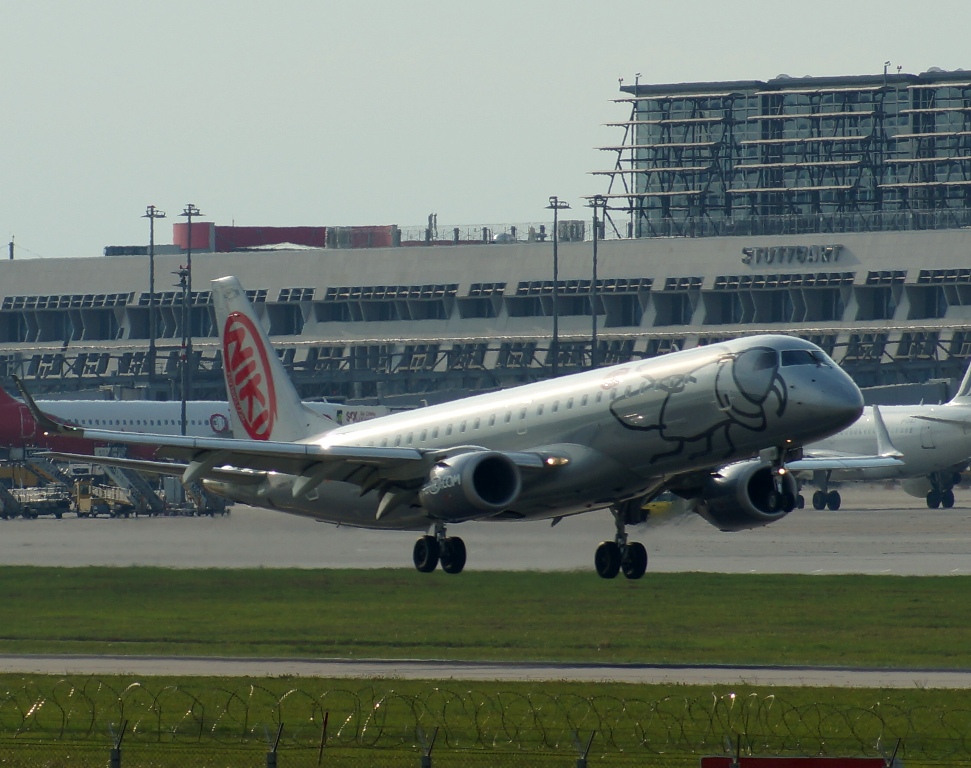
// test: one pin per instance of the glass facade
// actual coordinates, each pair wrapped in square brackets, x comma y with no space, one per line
[795,155]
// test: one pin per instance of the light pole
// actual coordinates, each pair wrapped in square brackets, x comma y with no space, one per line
[151,213]
[556,205]
[186,282]
[595,202]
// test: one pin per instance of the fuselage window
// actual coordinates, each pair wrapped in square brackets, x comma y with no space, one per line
[522,414]
[555,407]
[569,403]
[448,430]
[424,435]
[476,424]
[508,416]
[765,359]
[384,443]
[539,410]
[397,441]
[462,427]
[492,420]
[435,433]
[584,399]
[600,396]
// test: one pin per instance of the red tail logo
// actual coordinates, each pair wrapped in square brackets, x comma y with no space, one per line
[248,376]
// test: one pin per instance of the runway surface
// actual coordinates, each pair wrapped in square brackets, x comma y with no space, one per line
[878,531]
[473,670]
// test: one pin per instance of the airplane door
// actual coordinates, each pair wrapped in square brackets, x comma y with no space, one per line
[927,436]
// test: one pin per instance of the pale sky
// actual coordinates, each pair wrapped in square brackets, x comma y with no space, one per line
[315,112]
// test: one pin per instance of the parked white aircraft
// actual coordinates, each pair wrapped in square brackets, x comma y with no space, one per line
[924,446]
[204,418]
[714,423]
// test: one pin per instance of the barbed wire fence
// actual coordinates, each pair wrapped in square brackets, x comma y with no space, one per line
[372,725]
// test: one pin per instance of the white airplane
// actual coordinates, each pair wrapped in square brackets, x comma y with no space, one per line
[924,446]
[715,424]
[204,418]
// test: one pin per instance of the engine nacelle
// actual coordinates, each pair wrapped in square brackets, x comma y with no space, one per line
[745,495]
[470,486]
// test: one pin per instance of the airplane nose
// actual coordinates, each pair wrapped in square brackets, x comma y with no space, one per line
[831,399]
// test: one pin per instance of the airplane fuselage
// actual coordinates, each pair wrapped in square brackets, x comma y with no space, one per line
[621,429]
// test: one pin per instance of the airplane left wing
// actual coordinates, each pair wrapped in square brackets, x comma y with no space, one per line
[834,461]
[887,454]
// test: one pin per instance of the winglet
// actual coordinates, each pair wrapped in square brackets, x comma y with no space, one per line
[885,446]
[45,422]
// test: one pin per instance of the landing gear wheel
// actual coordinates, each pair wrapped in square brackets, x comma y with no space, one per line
[819,500]
[634,561]
[452,555]
[425,554]
[947,499]
[833,500]
[607,560]
[933,499]
[800,501]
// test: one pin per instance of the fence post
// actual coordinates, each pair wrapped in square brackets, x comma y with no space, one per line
[271,755]
[114,757]
[323,738]
[426,755]
[582,751]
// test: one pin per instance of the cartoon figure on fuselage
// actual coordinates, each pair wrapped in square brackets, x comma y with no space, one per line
[740,387]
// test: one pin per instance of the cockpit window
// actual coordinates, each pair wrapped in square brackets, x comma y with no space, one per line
[766,359]
[803,357]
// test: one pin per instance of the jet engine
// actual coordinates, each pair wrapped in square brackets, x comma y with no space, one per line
[471,485]
[745,495]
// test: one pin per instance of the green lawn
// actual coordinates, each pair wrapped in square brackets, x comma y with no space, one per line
[664,618]
[220,721]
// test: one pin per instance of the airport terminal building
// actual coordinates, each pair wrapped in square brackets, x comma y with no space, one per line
[837,209]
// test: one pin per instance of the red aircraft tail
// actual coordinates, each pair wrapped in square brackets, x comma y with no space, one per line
[7,399]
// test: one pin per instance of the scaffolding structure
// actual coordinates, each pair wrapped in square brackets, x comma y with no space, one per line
[794,155]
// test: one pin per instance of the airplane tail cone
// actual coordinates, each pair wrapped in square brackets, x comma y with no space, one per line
[263,402]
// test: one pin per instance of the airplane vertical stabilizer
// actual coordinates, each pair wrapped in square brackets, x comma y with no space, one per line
[963,396]
[263,402]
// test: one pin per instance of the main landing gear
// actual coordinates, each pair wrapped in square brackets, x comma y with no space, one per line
[942,489]
[824,497]
[620,555]
[431,550]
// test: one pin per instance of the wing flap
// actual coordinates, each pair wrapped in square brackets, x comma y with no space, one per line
[175,469]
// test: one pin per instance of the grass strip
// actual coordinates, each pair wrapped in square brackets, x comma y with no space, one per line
[384,721]
[856,621]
